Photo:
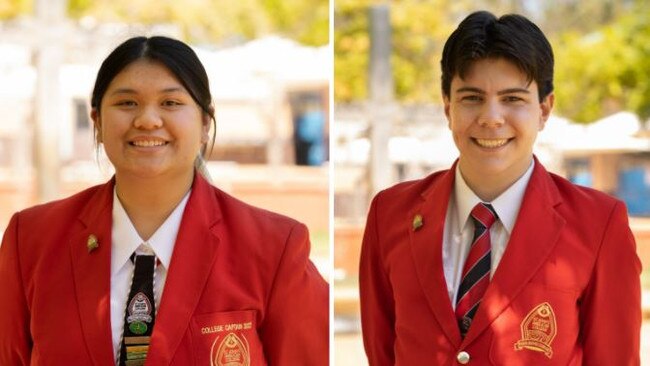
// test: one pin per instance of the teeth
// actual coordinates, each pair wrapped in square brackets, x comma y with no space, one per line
[149,143]
[491,143]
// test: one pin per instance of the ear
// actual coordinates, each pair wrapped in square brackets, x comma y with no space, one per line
[447,104]
[94,115]
[547,107]
[205,130]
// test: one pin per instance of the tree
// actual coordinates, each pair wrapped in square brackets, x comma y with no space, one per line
[419,29]
[207,21]
[13,8]
[606,70]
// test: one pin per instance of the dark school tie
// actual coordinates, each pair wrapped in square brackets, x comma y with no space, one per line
[476,271]
[139,317]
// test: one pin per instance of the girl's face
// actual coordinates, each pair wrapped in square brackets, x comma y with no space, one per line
[149,124]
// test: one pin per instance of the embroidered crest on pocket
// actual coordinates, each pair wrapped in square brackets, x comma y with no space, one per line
[232,351]
[538,330]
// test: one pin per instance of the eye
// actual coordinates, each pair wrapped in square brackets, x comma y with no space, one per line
[473,98]
[126,103]
[171,103]
[512,99]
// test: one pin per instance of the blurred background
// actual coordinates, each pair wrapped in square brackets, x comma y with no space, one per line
[269,66]
[389,124]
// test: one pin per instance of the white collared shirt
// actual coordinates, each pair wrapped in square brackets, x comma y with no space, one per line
[459,229]
[125,240]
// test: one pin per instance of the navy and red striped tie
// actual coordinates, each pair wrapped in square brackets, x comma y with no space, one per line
[476,271]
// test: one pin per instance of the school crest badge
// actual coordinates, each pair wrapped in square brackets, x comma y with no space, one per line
[538,330]
[232,351]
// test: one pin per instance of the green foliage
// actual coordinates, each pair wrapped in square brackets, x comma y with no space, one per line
[351,47]
[308,20]
[206,21]
[76,8]
[419,29]
[13,8]
[605,71]
[419,34]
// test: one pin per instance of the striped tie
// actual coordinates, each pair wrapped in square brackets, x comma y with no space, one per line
[476,271]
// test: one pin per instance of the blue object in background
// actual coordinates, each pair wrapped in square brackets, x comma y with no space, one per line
[310,133]
[634,190]
[310,126]
[582,178]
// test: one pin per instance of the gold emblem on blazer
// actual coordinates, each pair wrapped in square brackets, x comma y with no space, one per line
[418,221]
[538,330]
[92,243]
[232,351]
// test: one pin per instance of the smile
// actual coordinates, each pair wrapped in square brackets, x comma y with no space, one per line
[148,143]
[491,143]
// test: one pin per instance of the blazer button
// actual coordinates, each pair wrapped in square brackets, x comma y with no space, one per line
[462,358]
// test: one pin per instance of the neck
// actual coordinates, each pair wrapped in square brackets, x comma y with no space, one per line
[149,201]
[490,185]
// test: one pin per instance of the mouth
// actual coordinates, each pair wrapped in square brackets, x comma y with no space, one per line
[491,143]
[148,143]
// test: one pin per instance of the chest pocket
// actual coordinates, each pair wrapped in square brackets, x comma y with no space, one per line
[540,327]
[227,339]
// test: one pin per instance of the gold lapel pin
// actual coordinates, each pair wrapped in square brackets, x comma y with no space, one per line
[92,243]
[417,222]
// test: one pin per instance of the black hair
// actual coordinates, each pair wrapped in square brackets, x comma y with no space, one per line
[178,57]
[481,35]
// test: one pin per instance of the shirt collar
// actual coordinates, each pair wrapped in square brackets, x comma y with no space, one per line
[125,238]
[507,205]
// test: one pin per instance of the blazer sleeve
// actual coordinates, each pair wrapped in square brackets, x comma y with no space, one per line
[376,297]
[296,327]
[15,338]
[611,306]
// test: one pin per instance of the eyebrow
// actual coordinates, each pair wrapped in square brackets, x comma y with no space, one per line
[133,91]
[469,89]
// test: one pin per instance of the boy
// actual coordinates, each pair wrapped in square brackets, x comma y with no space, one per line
[497,261]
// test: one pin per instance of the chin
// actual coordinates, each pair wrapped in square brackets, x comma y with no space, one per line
[488,165]
[141,171]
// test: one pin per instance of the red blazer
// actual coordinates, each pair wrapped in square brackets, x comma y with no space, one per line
[566,292]
[239,281]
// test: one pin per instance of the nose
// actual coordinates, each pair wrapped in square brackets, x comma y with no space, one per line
[148,119]
[491,115]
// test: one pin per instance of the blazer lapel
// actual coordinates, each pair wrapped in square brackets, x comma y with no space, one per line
[191,264]
[426,245]
[534,236]
[92,274]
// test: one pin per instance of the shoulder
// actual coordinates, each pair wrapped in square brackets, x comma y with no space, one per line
[43,230]
[405,194]
[586,208]
[583,198]
[261,236]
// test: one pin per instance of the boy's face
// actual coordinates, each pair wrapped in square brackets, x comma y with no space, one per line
[494,115]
